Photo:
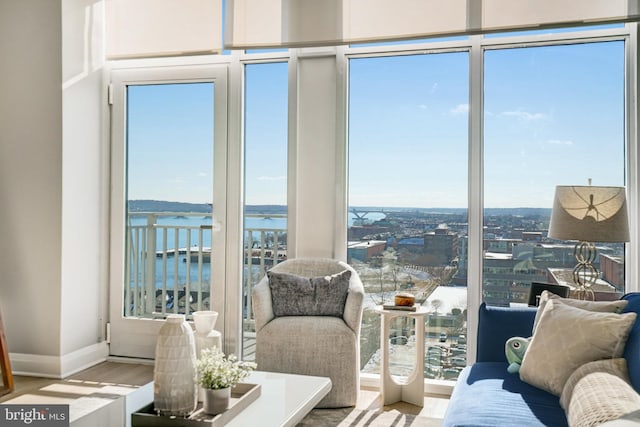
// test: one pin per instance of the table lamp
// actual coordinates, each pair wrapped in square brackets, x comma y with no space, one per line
[588,214]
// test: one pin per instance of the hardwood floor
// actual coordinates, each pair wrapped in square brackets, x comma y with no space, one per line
[129,376]
[101,396]
[370,412]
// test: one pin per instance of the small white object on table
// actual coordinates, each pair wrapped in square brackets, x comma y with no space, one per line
[413,390]
[518,304]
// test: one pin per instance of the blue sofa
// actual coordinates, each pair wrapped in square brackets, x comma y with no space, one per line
[487,395]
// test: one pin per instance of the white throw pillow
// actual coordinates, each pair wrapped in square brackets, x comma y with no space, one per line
[624,422]
[600,306]
[600,397]
[568,337]
[617,367]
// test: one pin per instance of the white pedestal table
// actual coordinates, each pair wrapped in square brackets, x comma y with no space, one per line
[412,391]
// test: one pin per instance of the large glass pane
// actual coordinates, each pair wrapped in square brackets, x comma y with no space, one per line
[169,191]
[265,209]
[408,139]
[552,116]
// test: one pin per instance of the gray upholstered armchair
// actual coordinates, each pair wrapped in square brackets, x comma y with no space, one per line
[327,346]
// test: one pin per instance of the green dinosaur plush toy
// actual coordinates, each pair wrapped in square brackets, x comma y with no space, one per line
[514,349]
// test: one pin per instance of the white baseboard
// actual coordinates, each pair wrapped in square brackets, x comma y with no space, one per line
[431,386]
[371,381]
[58,366]
[84,358]
[136,360]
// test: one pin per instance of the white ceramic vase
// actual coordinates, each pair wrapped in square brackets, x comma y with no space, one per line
[174,374]
[216,401]
[205,321]
[205,336]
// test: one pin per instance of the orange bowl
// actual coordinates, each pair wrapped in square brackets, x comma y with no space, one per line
[404,299]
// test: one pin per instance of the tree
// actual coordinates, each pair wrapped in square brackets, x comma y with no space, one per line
[436,303]
[442,275]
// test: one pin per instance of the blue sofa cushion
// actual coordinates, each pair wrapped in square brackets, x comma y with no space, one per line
[497,325]
[487,395]
[632,349]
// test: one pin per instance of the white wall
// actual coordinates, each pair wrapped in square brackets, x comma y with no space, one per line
[51,252]
[84,209]
[319,171]
[30,175]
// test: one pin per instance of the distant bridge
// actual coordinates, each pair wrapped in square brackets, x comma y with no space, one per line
[361,214]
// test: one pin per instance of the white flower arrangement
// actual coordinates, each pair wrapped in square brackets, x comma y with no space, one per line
[215,371]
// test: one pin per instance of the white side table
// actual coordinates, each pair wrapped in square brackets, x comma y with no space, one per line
[412,391]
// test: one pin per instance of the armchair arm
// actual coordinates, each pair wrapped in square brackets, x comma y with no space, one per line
[262,306]
[353,306]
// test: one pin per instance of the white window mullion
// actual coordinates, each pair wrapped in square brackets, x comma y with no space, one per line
[632,273]
[475,188]
[235,211]
[341,184]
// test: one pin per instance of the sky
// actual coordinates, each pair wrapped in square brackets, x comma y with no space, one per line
[552,116]
[170,134]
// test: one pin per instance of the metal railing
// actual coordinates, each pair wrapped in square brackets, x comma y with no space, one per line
[168,264]
[264,248]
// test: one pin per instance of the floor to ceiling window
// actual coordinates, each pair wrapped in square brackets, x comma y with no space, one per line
[421,169]
[167,256]
[265,182]
[553,115]
[408,138]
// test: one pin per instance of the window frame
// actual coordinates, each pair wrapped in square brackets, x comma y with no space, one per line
[138,340]
[477,45]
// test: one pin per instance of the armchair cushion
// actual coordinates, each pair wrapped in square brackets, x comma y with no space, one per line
[294,295]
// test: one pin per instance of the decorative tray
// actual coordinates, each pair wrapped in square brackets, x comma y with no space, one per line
[241,396]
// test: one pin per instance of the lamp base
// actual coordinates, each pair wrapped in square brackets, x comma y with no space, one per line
[583,293]
[585,273]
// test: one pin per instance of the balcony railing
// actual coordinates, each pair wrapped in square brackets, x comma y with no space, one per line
[168,266]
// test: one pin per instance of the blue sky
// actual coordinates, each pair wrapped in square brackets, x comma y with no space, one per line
[553,115]
[170,150]
[266,134]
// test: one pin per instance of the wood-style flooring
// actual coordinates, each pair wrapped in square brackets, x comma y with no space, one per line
[128,375]
[133,375]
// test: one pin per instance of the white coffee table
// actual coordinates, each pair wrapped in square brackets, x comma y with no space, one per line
[285,399]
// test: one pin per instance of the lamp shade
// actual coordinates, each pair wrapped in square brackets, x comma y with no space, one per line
[590,214]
